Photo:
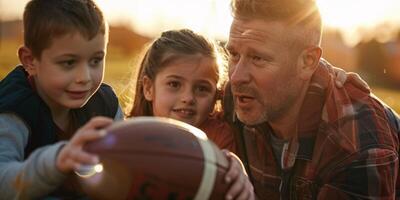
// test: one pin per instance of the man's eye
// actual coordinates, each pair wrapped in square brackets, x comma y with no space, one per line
[257,60]
[233,56]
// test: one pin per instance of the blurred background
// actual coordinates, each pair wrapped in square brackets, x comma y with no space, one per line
[359,35]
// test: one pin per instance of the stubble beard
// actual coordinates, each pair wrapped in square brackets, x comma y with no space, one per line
[269,111]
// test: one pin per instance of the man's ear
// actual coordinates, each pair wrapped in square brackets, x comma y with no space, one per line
[27,59]
[147,88]
[309,61]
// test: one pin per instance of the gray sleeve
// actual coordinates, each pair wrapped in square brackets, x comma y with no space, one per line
[25,179]
[119,115]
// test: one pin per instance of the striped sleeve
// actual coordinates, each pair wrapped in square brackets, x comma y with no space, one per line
[371,174]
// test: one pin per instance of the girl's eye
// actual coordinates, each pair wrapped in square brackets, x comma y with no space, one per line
[203,89]
[174,84]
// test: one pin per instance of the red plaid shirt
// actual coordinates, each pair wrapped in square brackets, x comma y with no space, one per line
[219,131]
[346,147]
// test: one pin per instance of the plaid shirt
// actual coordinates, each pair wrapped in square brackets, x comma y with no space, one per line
[219,131]
[346,147]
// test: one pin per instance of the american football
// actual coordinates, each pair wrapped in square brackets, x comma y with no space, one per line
[155,158]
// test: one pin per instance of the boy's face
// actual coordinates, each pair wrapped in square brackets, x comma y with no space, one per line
[184,90]
[70,71]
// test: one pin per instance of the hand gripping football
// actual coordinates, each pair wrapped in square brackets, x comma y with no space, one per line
[155,158]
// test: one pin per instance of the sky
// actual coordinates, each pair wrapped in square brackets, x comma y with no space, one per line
[212,17]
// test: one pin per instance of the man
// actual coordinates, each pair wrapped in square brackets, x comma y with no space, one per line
[300,136]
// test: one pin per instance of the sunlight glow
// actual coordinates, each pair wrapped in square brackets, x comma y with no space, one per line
[87,171]
[150,17]
[353,17]
[369,18]
[98,168]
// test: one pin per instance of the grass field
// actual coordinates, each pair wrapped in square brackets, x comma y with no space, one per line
[119,71]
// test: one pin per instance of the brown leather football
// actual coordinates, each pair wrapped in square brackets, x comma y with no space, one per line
[155,158]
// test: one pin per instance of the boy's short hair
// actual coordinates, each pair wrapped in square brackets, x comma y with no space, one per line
[45,20]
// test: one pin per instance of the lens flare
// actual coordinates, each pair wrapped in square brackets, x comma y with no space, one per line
[87,171]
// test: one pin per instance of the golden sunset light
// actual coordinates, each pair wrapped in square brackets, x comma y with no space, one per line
[212,17]
[150,17]
[199,99]
[354,16]
[352,30]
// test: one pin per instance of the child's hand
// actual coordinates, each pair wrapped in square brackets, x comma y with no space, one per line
[71,156]
[240,186]
[342,77]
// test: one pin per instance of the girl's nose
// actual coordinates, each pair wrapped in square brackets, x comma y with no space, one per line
[188,97]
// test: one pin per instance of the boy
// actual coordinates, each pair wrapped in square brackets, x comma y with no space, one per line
[57,89]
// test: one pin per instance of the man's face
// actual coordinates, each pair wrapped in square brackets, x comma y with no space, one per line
[262,70]
[70,71]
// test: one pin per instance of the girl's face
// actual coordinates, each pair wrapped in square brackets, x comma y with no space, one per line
[184,90]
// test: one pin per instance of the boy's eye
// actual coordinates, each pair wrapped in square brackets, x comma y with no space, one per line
[96,61]
[67,63]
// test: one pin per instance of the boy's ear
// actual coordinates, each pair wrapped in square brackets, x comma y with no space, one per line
[27,59]
[309,61]
[147,88]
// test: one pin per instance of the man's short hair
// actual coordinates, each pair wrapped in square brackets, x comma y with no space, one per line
[303,15]
[46,19]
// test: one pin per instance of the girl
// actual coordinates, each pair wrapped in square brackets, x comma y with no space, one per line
[179,78]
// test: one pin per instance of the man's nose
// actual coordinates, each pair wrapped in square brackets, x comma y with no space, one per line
[239,72]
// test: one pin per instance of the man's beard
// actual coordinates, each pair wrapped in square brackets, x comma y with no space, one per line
[269,112]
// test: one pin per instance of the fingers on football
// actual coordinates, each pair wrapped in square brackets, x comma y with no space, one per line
[358,81]
[233,170]
[98,122]
[341,78]
[240,189]
[84,136]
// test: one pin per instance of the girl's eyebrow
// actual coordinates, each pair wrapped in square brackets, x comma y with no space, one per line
[202,81]
[175,76]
